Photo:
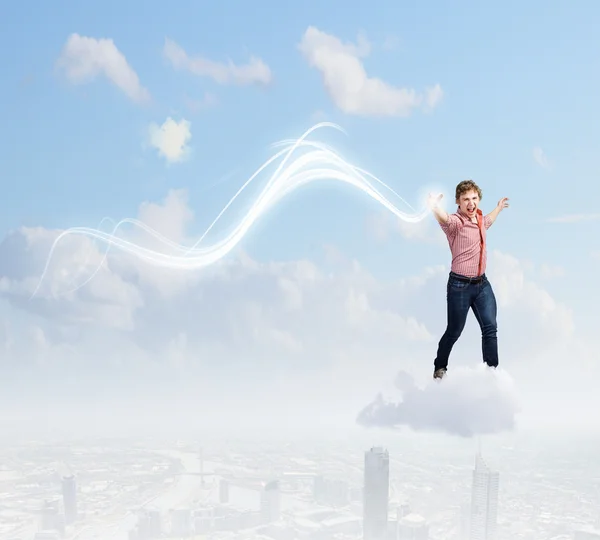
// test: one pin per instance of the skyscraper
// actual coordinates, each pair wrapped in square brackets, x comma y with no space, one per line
[69,490]
[376,494]
[270,502]
[484,502]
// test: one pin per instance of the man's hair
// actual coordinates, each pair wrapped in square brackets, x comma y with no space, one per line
[465,186]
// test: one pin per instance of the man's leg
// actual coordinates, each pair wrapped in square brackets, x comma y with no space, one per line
[485,309]
[459,302]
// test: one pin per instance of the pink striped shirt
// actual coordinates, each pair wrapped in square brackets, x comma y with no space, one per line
[467,242]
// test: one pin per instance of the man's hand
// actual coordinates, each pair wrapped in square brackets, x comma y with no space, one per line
[433,200]
[439,213]
[503,203]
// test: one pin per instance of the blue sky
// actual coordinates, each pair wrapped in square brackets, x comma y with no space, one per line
[515,77]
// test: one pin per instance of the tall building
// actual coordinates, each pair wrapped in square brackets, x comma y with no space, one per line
[270,502]
[69,490]
[484,502]
[376,494]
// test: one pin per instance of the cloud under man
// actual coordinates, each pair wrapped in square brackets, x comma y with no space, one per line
[83,59]
[349,86]
[468,402]
[255,71]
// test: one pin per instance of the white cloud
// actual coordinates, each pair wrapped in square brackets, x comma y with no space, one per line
[83,59]
[541,159]
[349,86]
[468,402]
[256,71]
[244,328]
[171,139]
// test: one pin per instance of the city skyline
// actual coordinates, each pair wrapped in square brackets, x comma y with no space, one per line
[423,503]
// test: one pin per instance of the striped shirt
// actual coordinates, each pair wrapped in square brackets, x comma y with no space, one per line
[467,242]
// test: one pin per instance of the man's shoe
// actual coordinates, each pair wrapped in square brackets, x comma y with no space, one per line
[439,373]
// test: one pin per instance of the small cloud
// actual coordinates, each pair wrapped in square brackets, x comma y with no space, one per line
[171,139]
[253,72]
[467,402]
[541,159]
[433,97]
[83,59]
[574,218]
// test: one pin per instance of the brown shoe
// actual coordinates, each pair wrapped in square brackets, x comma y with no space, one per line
[439,373]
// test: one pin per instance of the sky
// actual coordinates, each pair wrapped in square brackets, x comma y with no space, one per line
[159,113]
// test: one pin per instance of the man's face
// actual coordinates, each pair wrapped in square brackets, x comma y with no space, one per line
[468,203]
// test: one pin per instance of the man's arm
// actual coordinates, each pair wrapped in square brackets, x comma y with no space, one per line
[439,213]
[502,204]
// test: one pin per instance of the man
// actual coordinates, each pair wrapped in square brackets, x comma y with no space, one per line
[468,286]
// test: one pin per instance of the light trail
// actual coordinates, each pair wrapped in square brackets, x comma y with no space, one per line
[317,163]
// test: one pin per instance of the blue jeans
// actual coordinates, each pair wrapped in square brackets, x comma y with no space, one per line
[462,294]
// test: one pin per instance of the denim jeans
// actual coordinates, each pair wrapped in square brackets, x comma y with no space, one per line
[462,295]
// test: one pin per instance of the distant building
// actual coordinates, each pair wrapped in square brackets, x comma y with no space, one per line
[402,510]
[52,519]
[270,502]
[149,524]
[484,502]
[181,522]
[413,527]
[331,491]
[223,491]
[376,494]
[69,491]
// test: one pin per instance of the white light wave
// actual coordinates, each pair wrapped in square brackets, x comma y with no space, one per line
[319,163]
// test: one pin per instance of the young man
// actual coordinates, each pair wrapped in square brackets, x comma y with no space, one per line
[468,286]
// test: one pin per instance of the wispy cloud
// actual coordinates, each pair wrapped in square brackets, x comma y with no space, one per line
[540,157]
[255,71]
[84,59]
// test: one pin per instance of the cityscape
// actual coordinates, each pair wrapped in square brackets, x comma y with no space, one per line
[145,490]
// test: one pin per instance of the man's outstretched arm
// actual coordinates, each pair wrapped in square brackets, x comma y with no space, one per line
[502,204]
[439,213]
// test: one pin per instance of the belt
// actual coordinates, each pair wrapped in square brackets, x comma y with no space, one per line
[465,279]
